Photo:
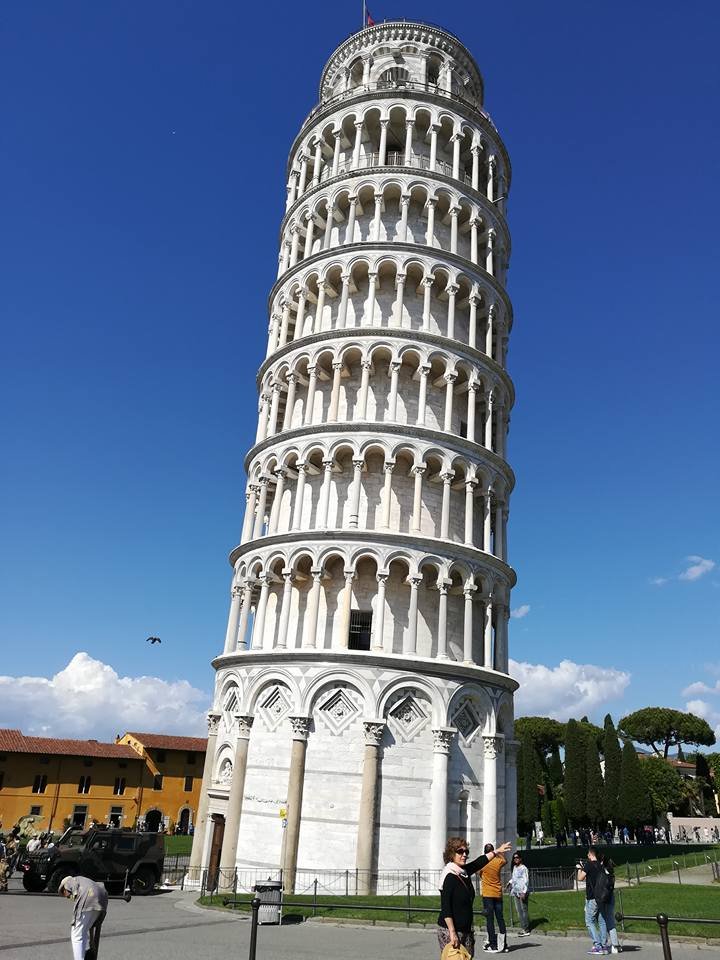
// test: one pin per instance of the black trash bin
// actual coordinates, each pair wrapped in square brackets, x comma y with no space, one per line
[270,894]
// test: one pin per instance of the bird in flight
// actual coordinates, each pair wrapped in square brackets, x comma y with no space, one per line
[153,640]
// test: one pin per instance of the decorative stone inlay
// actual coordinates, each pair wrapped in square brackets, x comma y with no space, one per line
[275,707]
[466,720]
[338,711]
[374,730]
[408,718]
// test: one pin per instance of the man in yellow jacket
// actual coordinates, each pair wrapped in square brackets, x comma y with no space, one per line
[493,902]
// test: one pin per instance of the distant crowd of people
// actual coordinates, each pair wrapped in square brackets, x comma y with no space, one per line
[586,837]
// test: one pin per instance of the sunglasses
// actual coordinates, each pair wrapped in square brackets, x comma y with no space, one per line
[463,851]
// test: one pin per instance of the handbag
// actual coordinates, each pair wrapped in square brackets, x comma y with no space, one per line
[454,953]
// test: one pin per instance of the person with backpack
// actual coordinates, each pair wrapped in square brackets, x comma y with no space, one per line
[605,899]
[588,870]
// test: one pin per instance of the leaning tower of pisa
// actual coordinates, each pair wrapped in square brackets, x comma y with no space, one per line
[363,707]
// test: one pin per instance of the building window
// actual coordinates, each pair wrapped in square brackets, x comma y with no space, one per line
[44,759]
[123,764]
[160,756]
[188,784]
[40,783]
[463,429]
[191,758]
[157,781]
[87,762]
[2,779]
[79,817]
[84,784]
[115,818]
[360,627]
[119,788]
[35,811]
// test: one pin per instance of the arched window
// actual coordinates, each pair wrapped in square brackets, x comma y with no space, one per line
[394,76]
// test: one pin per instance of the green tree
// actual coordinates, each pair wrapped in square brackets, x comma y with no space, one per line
[662,728]
[545,733]
[559,813]
[594,787]
[613,759]
[547,819]
[532,782]
[575,754]
[555,768]
[633,800]
[663,784]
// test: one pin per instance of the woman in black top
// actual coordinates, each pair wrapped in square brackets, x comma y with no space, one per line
[455,922]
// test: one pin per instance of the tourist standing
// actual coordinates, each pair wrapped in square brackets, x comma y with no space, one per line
[457,894]
[604,890]
[587,870]
[493,901]
[519,886]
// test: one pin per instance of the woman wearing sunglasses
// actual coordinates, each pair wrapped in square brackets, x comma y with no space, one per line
[455,922]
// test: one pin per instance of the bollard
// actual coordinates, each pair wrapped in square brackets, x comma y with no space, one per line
[664,938]
[255,907]
[622,911]
[677,867]
[315,896]
[408,903]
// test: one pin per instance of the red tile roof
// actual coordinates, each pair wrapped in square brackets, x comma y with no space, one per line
[14,741]
[163,741]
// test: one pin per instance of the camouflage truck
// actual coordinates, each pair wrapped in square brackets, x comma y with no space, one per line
[112,857]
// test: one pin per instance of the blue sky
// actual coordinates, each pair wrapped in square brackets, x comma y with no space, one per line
[143,166]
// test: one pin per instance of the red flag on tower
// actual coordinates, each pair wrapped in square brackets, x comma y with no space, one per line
[369,20]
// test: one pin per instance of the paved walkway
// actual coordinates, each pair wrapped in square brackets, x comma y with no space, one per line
[693,875]
[169,926]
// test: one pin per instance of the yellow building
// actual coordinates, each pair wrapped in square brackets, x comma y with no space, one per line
[172,778]
[146,779]
[63,782]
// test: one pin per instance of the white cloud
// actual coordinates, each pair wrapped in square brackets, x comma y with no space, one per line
[698,568]
[659,581]
[700,687]
[88,699]
[567,690]
[702,708]
[519,612]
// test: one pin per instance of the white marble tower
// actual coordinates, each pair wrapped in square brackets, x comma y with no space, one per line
[363,707]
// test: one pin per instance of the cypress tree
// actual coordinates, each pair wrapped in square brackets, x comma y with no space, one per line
[594,787]
[520,766]
[613,760]
[555,767]
[532,776]
[575,792]
[547,819]
[633,799]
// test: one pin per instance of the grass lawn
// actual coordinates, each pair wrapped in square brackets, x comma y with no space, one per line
[178,846]
[548,911]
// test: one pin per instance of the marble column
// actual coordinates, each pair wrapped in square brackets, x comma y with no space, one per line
[228,856]
[288,576]
[468,593]
[196,854]
[410,640]
[388,467]
[442,740]
[233,618]
[242,643]
[492,750]
[313,605]
[296,781]
[442,586]
[367,819]
[342,636]
[379,619]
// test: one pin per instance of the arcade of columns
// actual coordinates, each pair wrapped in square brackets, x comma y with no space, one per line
[371,588]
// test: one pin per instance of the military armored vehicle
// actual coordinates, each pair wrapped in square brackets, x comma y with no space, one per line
[112,857]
